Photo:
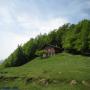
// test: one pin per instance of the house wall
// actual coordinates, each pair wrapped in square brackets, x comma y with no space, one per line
[50,51]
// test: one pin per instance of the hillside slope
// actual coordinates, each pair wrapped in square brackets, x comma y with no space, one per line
[60,72]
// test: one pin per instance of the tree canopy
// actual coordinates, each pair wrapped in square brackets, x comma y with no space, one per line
[73,38]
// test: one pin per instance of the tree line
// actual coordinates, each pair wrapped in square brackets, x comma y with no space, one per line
[72,38]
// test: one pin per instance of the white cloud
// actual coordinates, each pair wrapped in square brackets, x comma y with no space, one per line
[5,16]
[39,26]
[51,24]
[9,42]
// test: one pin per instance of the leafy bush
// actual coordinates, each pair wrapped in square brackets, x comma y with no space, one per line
[41,52]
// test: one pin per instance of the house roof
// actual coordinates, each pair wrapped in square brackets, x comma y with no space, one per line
[50,46]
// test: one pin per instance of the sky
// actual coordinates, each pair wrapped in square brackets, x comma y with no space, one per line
[21,20]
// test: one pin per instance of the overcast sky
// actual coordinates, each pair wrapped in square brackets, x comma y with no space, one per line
[22,19]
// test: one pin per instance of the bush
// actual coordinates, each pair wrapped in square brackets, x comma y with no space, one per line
[41,52]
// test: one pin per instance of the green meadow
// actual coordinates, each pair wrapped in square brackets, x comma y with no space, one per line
[60,72]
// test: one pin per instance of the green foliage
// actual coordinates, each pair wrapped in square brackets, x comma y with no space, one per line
[60,34]
[41,52]
[53,37]
[42,40]
[76,37]
[16,59]
[30,48]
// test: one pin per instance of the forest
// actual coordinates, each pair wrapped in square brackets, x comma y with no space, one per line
[71,38]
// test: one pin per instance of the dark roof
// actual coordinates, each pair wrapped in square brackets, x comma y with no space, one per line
[50,46]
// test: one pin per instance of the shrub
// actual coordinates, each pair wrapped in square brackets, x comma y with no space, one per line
[41,52]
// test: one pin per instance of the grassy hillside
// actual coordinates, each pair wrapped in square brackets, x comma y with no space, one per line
[60,72]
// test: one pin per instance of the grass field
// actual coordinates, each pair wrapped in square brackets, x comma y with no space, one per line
[60,72]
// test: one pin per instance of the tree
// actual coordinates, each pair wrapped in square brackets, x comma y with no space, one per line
[17,58]
[61,32]
[53,37]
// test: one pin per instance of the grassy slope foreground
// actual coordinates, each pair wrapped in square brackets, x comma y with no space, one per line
[60,72]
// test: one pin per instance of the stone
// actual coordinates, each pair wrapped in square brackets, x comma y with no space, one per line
[73,82]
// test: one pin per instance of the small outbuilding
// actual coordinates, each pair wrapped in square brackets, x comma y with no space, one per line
[51,50]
